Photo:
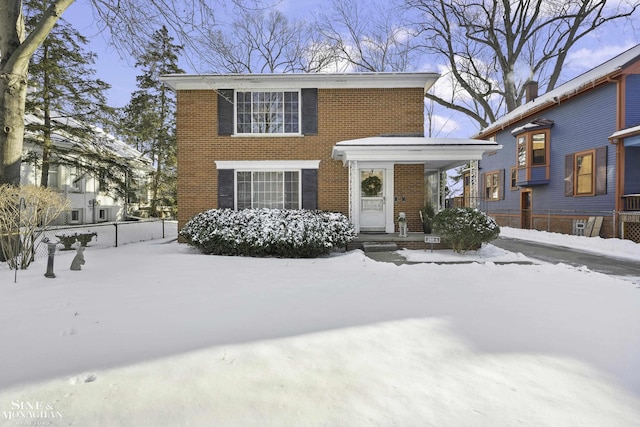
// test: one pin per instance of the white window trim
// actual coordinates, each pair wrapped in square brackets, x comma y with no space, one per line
[280,134]
[75,221]
[267,165]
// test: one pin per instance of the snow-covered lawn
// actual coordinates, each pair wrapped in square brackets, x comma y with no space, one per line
[155,334]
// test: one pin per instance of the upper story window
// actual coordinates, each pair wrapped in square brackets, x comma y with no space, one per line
[75,179]
[532,153]
[53,180]
[268,112]
[261,112]
[532,149]
[539,148]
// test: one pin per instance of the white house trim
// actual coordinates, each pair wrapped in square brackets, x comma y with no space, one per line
[267,165]
[435,153]
[312,80]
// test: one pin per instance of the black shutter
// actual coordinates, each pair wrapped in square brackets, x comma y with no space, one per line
[309,111]
[225,111]
[310,189]
[501,184]
[601,170]
[226,188]
[568,175]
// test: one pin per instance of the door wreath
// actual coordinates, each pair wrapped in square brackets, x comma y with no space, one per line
[371,186]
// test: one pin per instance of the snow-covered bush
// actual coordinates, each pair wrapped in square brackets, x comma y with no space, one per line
[465,228]
[268,232]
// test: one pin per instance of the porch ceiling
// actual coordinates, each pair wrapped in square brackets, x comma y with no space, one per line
[435,153]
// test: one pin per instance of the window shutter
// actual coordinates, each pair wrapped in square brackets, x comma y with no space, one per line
[568,175]
[501,184]
[309,111]
[310,189]
[601,170]
[482,187]
[226,188]
[225,111]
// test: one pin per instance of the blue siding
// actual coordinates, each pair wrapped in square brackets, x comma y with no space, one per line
[632,107]
[581,123]
[632,170]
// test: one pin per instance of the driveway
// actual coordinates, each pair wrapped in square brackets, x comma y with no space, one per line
[560,254]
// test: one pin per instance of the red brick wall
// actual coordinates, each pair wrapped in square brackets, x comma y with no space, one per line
[342,114]
[409,182]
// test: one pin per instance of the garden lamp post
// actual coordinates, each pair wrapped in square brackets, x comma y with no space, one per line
[51,250]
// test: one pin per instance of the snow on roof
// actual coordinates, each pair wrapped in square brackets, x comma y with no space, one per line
[294,80]
[625,132]
[400,141]
[567,89]
[535,124]
[435,153]
[102,139]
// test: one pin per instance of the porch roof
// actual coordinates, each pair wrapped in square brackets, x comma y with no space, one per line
[435,153]
[630,135]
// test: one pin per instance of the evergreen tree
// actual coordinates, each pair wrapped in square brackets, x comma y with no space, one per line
[149,118]
[67,98]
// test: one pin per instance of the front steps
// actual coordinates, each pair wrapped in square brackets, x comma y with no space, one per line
[379,246]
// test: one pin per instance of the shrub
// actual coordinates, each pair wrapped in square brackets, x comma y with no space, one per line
[465,228]
[25,214]
[268,232]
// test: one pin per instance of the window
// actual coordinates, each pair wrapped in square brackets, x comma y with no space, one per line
[75,179]
[532,149]
[75,216]
[53,177]
[522,151]
[514,178]
[267,112]
[102,214]
[494,182]
[584,173]
[268,189]
[532,153]
[538,149]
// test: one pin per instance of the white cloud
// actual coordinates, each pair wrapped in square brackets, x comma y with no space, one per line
[586,58]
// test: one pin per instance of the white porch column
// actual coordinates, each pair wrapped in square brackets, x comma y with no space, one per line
[354,194]
[474,175]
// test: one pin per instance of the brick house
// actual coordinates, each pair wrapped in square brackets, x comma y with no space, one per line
[570,156]
[350,143]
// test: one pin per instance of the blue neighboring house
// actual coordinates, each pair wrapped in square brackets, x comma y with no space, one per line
[570,161]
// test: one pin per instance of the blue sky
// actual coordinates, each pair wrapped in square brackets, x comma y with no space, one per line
[119,71]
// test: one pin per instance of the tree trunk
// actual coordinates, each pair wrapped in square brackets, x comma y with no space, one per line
[13,91]
[15,53]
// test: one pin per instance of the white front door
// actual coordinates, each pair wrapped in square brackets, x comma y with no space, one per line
[372,200]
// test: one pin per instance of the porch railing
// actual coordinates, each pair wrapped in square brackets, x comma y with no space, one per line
[631,202]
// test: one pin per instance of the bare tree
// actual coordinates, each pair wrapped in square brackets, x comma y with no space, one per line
[130,23]
[261,42]
[368,35]
[493,48]
[25,214]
